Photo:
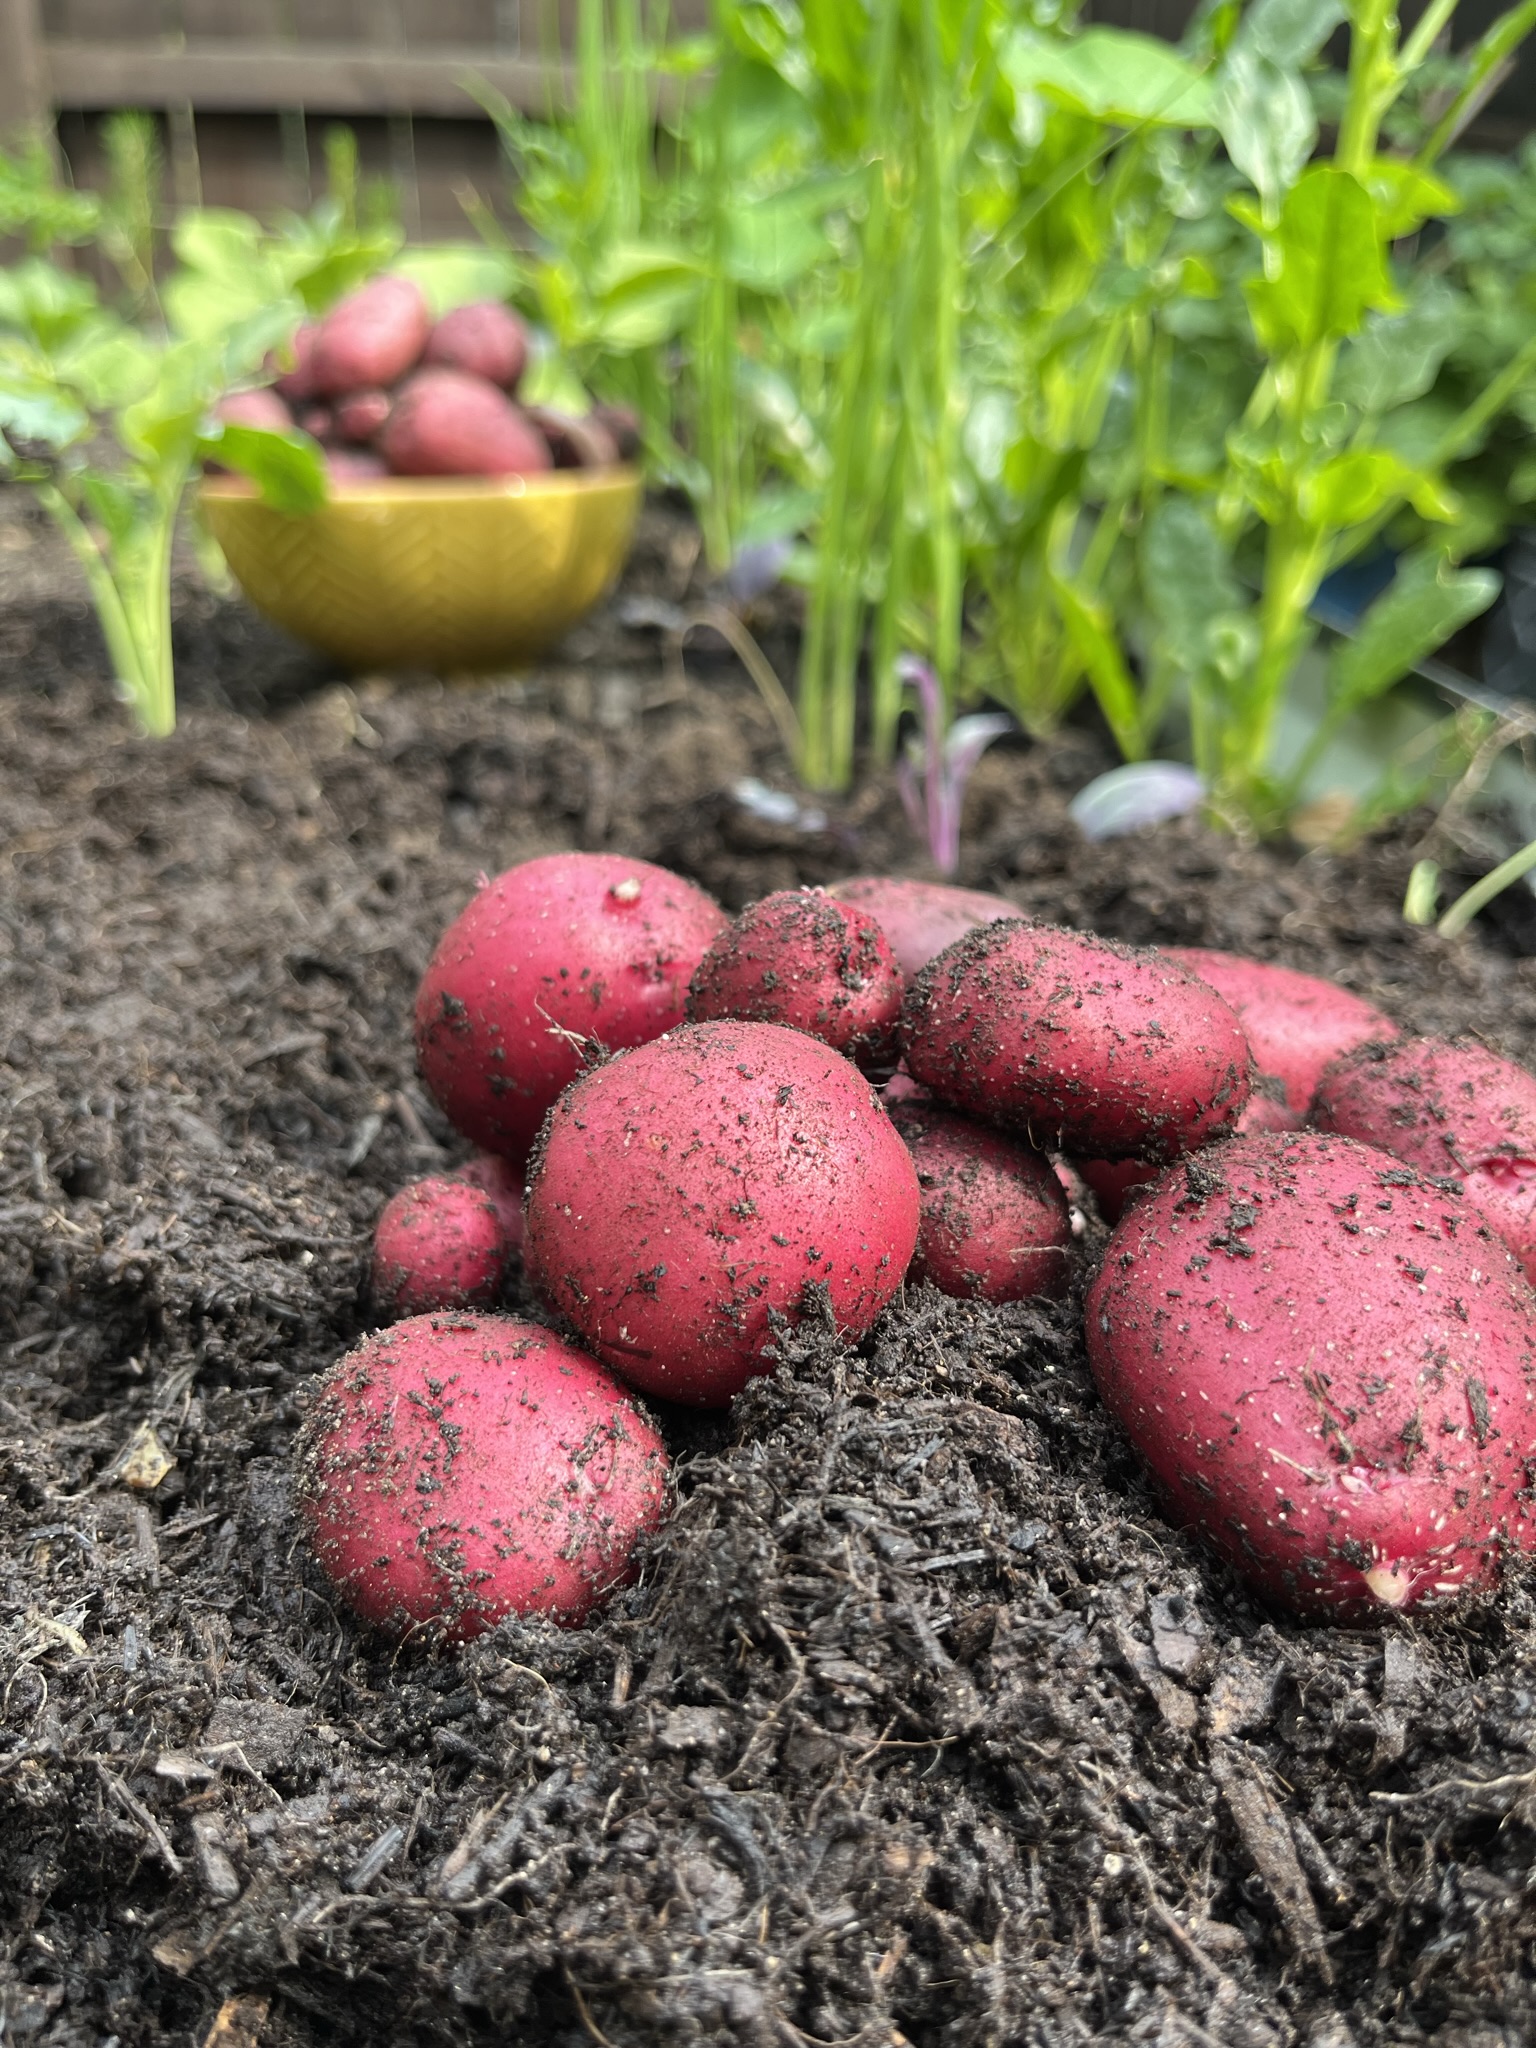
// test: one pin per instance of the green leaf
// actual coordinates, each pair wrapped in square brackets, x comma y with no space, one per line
[1112,74]
[1355,486]
[48,304]
[1186,572]
[1288,32]
[1406,196]
[1091,628]
[1396,357]
[35,410]
[1427,601]
[1266,120]
[1331,267]
[459,273]
[289,469]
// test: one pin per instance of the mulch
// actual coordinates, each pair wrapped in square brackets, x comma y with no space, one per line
[921,1724]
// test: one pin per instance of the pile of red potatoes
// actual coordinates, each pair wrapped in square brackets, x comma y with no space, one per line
[1314,1316]
[388,391]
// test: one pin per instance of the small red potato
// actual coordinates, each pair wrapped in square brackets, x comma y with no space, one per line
[362,415]
[575,443]
[262,408]
[297,384]
[354,465]
[503,1183]
[318,421]
[921,918]
[684,1191]
[438,1244]
[995,1225]
[1329,1365]
[563,951]
[799,958]
[1090,1047]
[446,423]
[1295,1023]
[1116,1182]
[487,339]
[372,337]
[457,1469]
[1449,1108]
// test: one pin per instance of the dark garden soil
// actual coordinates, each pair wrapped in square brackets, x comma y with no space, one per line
[921,1725]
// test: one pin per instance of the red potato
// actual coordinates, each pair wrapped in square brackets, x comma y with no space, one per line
[354,465]
[446,423]
[318,421]
[563,950]
[362,415]
[683,1192]
[487,339]
[1329,1365]
[503,1183]
[801,959]
[438,1244]
[373,336]
[457,1469]
[575,443]
[921,918]
[296,385]
[995,1225]
[1452,1109]
[262,408]
[1295,1023]
[1091,1047]
[622,424]
[1117,1182]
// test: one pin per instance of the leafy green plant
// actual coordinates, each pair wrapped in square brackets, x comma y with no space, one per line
[106,409]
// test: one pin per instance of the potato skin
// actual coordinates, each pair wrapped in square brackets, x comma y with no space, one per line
[262,408]
[994,1219]
[800,959]
[1329,1365]
[1296,1023]
[438,1244]
[446,423]
[458,1468]
[485,338]
[1448,1107]
[921,918]
[502,1181]
[1090,1047]
[361,416]
[683,1191]
[372,337]
[564,949]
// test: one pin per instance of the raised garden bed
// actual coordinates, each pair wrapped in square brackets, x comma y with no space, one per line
[922,1725]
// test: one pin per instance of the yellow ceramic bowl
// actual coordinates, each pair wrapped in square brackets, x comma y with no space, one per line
[444,573]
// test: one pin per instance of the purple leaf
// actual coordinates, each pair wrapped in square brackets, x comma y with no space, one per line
[1141,793]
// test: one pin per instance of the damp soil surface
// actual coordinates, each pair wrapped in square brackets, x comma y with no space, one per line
[921,1725]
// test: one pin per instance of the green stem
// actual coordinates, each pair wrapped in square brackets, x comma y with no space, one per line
[1466,906]
[147,687]
[1497,42]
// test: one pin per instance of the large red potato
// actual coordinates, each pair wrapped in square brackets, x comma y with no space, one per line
[1329,1365]
[263,408]
[485,338]
[1295,1023]
[370,338]
[563,950]
[1453,1109]
[799,958]
[457,1469]
[684,1191]
[995,1225]
[438,1244]
[1090,1047]
[921,918]
[446,423]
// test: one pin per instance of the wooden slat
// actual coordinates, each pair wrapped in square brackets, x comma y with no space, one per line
[240,78]
[461,24]
[24,101]
[247,20]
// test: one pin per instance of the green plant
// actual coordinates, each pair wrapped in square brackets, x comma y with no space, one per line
[105,409]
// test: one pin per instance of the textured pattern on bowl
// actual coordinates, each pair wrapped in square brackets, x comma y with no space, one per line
[450,573]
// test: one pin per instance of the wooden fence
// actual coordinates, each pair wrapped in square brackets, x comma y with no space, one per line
[246,87]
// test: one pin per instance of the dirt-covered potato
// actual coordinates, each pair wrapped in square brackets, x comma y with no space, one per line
[1329,1365]
[995,1223]
[1090,1047]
